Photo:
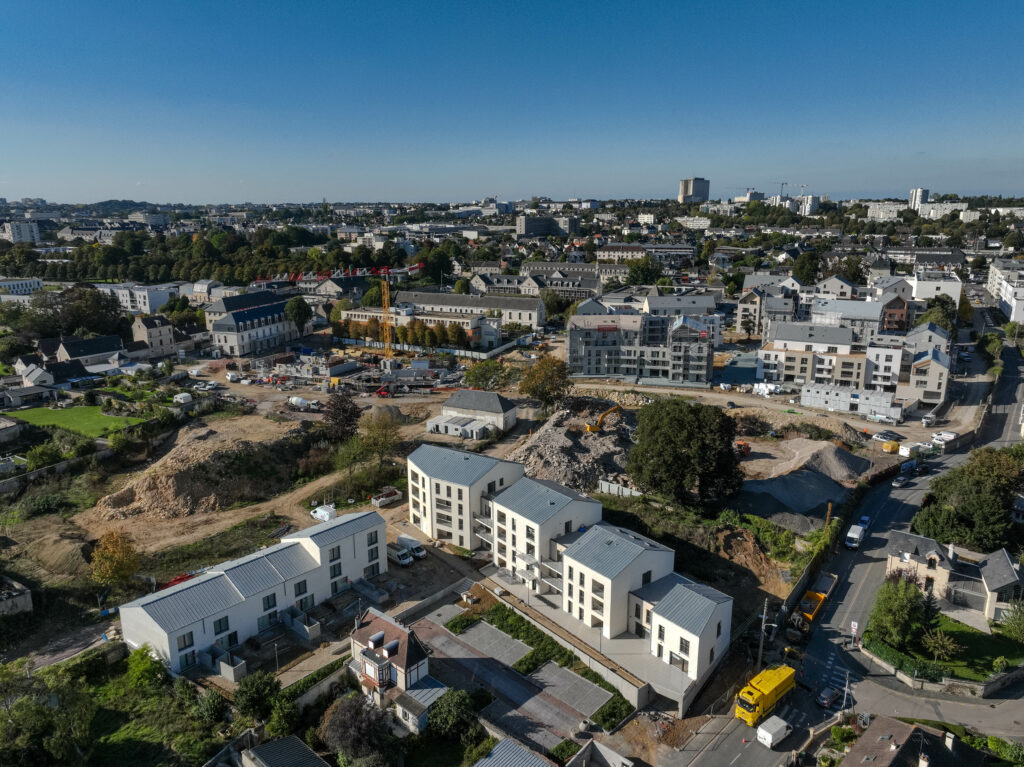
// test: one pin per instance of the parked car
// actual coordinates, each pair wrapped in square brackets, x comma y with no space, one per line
[923,469]
[827,697]
[901,481]
[865,522]
[887,435]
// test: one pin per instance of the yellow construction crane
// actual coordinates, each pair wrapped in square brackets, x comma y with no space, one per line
[386,326]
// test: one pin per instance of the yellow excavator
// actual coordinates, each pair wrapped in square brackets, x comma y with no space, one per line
[593,427]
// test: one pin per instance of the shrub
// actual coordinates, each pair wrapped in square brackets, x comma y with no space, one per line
[611,714]
[211,708]
[461,622]
[294,691]
[999,664]
[564,751]
[255,694]
[284,716]
[144,671]
[479,751]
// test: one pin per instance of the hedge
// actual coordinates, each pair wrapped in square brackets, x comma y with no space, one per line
[564,751]
[917,668]
[544,648]
[461,622]
[294,691]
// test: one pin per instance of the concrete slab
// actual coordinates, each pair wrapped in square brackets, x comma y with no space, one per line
[444,613]
[586,697]
[972,618]
[497,644]
[520,727]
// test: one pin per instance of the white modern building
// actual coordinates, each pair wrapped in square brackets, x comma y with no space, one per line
[1006,284]
[140,299]
[21,286]
[918,197]
[931,283]
[472,414]
[447,489]
[20,231]
[202,620]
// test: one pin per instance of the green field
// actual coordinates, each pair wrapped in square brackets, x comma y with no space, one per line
[86,420]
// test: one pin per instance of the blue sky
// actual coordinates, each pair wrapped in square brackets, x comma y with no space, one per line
[434,100]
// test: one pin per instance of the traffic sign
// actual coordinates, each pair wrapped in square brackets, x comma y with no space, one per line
[853,627]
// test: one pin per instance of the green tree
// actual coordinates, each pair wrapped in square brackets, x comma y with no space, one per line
[114,560]
[284,718]
[379,435]
[554,304]
[355,727]
[41,456]
[644,271]
[898,613]
[118,442]
[144,671]
[941,645]
[546,380]
[341,305]
[298,311]
[806,266]
[490,375]
[255,694]
[462,286]
[341,417]
[452,713]
[211,707]
[372,297]
[964,310]
[1013,621]
[684,448]
[942,311]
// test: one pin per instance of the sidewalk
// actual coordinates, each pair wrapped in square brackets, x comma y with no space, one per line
[317,660]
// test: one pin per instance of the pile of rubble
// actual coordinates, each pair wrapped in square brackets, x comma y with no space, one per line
[563,451]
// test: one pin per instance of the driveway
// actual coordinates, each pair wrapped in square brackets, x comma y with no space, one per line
[521,707]
[493,643]
[569,687]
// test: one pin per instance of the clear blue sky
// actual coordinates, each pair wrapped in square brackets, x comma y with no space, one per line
[434,100]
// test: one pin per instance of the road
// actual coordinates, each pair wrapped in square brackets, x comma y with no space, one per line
[828,662]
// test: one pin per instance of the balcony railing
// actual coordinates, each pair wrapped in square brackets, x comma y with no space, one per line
[555,566]
[483,534]
[530,559]
[486,521]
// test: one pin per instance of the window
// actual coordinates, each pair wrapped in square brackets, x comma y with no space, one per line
[569,592]
[220,625]
[718,632]
[531,533]
[513,524]
[372,554]
[583,579]
[448,491]
[711,655]
[266,621]
[459,496]
[660,650]
[647,618]
[371,538]
[186,660]
[300,588]
[931,563]
[371,570]
[646,578]
[581,613]
[185,640]
[269,602]
[415,477]
[570,572]
[568,527]
[335,554]
[637,611]
[684,646]
[336,569]
[437,488]
[336,587]
[306,603]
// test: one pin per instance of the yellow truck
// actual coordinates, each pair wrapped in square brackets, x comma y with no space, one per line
[762,693]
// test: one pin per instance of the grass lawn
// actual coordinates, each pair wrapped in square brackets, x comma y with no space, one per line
[237,541]
[980,650]
[84,419]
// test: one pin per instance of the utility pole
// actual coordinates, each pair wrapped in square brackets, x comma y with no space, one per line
[760,644]
[846,689]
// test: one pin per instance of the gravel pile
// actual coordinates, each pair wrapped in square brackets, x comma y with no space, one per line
[838,464]
[797,501]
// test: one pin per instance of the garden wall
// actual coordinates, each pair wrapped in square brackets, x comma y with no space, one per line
[14,484]
[308,698]
[949,685]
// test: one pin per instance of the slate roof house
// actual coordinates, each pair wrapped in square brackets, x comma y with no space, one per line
[472,414]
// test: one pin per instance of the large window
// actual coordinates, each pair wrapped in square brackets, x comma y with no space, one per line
[269,602]
[300,588]
[684,646]
[371,538]
[185,640]
[336,569]
[372,554]
[220,625]
[335,554]
[266,621]
[371,570]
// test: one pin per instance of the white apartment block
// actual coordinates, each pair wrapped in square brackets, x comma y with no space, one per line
[149,219]
[140,299]
[447,489]
[23,286]
[648,219]
[918,197]
[201,621]
[1006,284]
[929,284]
[20,231]
[694,222]
[884,211]
[936,210]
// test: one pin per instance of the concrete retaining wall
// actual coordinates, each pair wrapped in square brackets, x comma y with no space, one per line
[949,685]
[308,698]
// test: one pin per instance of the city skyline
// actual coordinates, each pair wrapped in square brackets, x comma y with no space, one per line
[406,103]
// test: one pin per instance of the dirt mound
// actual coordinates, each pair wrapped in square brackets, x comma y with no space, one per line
[796,501]
[391,411]
[852,436]
[740,547]
[838,463]
[60,554]
[562,450]
[208,468]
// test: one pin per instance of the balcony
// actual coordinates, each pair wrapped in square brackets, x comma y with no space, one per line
[597,605]
[530,559]
[483,534]
[444,520]
[552,580]
[555,566]
[486,521]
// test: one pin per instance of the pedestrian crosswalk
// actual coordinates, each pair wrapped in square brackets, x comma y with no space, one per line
[835,674]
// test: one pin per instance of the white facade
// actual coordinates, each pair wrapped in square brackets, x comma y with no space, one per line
[646,218]
[446,489]
[140,299]
[929,284]
[20,231]
[235,600]
[21,287]
[917,198]
[1006,284]
[884,211]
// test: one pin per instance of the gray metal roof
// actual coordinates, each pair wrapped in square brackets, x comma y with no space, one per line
[508,753]
[798,331]
[655,591]
[328,533]
[483,401]
[191,601]
[997,570]
[690,606]
[448,465]
[290,559]
[252,574]
[608,550]
[849,309]
[286,752]
[422,695]
[538,499]
[419,298]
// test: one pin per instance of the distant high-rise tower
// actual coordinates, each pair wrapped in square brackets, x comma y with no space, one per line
[918,197]
[694,190]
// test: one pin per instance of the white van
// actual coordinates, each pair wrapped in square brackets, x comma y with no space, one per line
[399,555]
[411,545]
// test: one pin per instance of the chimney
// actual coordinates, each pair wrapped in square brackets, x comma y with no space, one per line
[359,621]
[951,742]
[952,552]
[923,760]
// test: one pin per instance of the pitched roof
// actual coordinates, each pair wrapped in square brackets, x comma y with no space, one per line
[449,465]
[242,301]
[538,499]
[409,651]
[690,606]
[484,401]
[49,346]
[508,753]
[92,346]
[63,372]
[421,696]
[891,743]
[849,309]
[609,550]
[235,318]
[483,303]
[799,331]
[997,570]
[285,752]
[915,547]
[154,321]
[328,533]
[190,602]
